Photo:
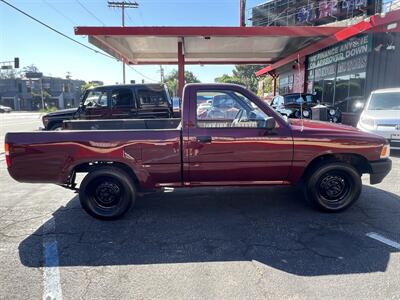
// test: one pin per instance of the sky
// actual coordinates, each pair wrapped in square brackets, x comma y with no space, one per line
[55,55]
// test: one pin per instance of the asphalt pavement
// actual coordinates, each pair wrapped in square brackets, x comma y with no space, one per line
[219,243]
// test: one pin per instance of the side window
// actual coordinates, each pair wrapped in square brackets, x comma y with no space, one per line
[122,97]
[278,101]
[152,97]
[227,109]
[96,98]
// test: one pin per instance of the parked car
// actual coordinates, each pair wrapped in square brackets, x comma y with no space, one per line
[381,115]
[5,109]
[133,101]
[290,105]
[255,147]
[351,108]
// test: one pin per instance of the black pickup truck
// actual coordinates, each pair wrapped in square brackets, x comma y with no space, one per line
[133,101]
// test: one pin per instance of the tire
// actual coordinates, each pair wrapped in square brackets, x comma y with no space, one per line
[333,187]
[107,193]
[56,127]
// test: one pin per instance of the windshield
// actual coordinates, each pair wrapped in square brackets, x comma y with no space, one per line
[385,101]
[96,98]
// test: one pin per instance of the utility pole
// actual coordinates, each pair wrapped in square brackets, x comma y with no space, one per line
[123,5]
[161,74]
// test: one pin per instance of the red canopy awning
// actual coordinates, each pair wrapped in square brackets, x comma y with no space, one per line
[204,45]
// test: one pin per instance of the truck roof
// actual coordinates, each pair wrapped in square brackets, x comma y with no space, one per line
[388,90]
[130,85]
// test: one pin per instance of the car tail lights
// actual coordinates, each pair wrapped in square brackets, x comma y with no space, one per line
[7,154]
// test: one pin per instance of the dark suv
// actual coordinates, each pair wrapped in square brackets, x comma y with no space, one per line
[133,101]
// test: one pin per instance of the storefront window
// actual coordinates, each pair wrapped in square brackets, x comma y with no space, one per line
[357,84]
[328,92]
[318,88]
[342,88]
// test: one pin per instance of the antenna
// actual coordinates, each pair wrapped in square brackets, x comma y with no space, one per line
[301,103]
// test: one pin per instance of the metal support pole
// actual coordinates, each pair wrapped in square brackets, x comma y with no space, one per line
[123,25]
[242,13]
[181,69]
[41,91]
[274,86]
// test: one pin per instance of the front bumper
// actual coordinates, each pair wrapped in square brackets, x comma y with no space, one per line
[379,170]
[386,132]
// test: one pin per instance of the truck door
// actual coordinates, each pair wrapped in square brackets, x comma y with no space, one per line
[123,104]
[228,144]
[96,105]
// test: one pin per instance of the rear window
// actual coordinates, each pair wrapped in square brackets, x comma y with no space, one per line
[152,97]
[293,98]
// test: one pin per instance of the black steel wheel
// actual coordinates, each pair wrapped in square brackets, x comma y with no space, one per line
[107,193]
[333,186]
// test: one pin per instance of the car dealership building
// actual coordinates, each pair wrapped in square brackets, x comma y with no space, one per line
[345,72]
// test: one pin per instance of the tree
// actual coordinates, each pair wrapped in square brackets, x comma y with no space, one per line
[87,85]
[247,73]
[229,79]
[265,86]
[244,75]
[171,80]
[31,68]
[9,74]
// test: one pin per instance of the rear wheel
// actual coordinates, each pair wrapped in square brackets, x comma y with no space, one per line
[107,193]
[333,187]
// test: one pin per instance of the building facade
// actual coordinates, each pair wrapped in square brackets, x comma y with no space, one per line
[26,94]
[344,74]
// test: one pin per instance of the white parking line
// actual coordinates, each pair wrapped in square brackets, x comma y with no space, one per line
[51,272]
[382,239]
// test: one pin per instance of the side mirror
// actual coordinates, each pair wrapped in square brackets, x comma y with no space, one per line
[270,123]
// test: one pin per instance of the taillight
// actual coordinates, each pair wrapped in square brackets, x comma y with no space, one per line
[7,154]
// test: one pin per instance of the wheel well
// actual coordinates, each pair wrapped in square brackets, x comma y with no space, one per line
[52,123]
[90,166]
[359,162]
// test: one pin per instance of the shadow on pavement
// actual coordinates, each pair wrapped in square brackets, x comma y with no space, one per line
[269,225]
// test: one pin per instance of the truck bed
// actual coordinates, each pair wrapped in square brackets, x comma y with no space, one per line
[51,156]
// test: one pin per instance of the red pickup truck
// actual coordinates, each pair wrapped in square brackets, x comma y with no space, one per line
[226,136]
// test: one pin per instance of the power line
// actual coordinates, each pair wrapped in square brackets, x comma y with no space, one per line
[141,74]
[71,39]
[123,5]
[129,17]
[89,12]
[55,30]
[60,13]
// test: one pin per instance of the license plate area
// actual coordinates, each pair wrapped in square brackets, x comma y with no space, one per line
[395,136]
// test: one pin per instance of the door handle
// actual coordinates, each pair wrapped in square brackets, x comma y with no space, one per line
[204,139]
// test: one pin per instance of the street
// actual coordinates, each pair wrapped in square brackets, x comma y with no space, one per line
[214,243]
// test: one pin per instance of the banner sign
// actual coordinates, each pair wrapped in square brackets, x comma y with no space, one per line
[330,8]
[345,50]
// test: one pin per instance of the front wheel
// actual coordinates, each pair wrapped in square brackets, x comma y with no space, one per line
[333,187]
[107,193]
